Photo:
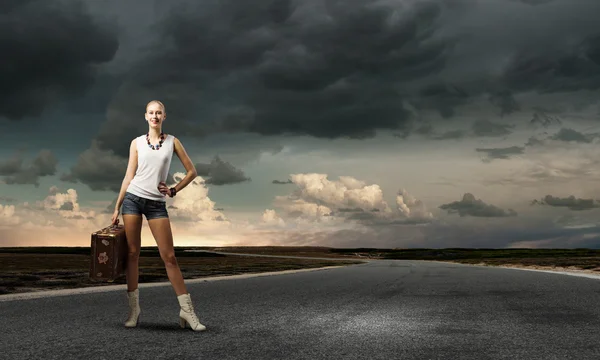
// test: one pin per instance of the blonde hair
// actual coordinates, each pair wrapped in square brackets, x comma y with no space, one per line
[156,102]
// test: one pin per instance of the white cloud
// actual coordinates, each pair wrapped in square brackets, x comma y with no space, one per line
[59,219]
[347,192]
[270,217]
[410,207]
[7,215]
[60,209]
[300,207]
[319,199]
[193,204]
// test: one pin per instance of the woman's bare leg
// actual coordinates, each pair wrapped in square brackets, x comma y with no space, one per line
[161,229]
[133,231]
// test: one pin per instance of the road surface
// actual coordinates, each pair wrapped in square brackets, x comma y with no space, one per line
[383,309]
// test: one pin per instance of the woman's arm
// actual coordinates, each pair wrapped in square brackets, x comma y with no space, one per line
[131,169]
[187,163]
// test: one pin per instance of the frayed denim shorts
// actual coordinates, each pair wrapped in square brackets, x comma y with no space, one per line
[152,209]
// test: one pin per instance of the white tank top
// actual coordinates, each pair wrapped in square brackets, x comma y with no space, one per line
[153,167]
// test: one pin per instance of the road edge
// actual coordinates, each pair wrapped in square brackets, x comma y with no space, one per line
[123,287]
[558,272]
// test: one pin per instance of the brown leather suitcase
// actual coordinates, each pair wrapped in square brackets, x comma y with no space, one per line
[108,253]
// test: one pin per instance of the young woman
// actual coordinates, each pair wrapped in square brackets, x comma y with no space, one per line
[143,192]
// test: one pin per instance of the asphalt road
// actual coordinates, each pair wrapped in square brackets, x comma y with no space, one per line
[378,310]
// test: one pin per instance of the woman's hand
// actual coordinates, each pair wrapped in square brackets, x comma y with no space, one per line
[115,218]
[163,188]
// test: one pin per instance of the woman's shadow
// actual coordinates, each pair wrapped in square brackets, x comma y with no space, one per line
[161,326]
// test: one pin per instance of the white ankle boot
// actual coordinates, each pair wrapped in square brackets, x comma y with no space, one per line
[187,314]
[134,308]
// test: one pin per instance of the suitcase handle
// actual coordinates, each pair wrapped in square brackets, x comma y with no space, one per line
[112,226]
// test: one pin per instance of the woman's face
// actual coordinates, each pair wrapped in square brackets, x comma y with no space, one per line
[155,115]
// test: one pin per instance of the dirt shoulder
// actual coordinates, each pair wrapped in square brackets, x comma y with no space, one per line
[570,269]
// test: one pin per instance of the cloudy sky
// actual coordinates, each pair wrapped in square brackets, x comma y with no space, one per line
[344,123]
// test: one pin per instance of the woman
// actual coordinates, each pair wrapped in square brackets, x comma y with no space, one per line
[143,192]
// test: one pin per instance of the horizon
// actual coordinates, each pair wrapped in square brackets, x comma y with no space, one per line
[319,247]
[398,124]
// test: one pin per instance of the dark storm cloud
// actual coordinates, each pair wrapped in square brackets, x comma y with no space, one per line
[49,51]
[96,99]
[533,2]
[278,67]
[442,97]
[576,67]
[238,149]
[533,141]
[344,68]
[403,134]
[299,67]
[451,134]
[469,206]
[540,118]
[505,102]
[15,172]
[502,153]
[459,4]
[100,170]
[425,129]
[552,47]
[302,68]
[489,128]
[479,128]
[11,166]
[570,202]
[220,172]
[566,134]
[45,163]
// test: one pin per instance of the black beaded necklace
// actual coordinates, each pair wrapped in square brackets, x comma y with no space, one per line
[159,145]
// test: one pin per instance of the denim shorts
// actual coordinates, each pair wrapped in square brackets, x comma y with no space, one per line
[152,209]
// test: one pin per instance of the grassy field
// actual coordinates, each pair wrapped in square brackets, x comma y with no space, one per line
[48,268]
[584,259]
[39,269]
[552,259]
